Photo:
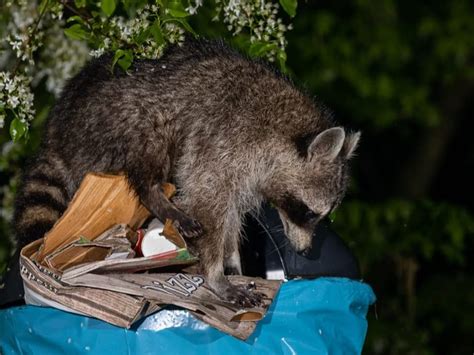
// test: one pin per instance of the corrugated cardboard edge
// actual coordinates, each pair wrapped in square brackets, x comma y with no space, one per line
[123,307]
[120,309]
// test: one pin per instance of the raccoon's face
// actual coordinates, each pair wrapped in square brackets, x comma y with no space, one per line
[315,186]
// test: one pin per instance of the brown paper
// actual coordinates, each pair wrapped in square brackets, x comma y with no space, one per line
[96,290]
[82,251]
[101,202]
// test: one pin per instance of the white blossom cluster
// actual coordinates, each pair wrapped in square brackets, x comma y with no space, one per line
[23,15]
[259,17]
[174,33]
[26,28]
[122,33]
[61,58]
[16,96]
[194,5]
[32,30]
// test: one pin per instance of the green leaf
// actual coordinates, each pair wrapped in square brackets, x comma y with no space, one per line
[242,42]
[80,3]
[83,240]
[185,24]
[259,49]
[77,19]
[26,136]
[155,30]
[17,129]
[176,9]
[126,61]
[178,14]
[42,6]
[123,58]
[289,6]
[108,6]
[281,56]
[76,31]
[119,53]
[143,36]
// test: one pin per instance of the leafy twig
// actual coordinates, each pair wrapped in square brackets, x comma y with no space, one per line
[30,36]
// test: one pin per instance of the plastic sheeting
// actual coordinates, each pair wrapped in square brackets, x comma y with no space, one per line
[321,316]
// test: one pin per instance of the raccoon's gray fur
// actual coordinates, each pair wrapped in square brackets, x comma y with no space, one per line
[229,131]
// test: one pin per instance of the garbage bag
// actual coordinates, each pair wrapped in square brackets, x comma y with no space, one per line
[320,316]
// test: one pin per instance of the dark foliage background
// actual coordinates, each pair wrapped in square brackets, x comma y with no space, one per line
[403,73]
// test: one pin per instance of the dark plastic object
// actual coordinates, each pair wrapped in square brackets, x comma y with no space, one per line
[12,292]
[268,249]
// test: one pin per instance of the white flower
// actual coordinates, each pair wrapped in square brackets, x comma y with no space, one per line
[97,52]
[15,45]
[193,7]
[16,95]
[258,17]
[9,85]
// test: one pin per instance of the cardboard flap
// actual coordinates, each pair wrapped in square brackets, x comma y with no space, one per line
[178,257]
[112,243]
[101,202]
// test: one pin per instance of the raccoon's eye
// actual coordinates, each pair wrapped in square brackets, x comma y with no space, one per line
[310,215]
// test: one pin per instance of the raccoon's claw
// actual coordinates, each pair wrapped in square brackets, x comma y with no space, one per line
[188,228]
[244,297]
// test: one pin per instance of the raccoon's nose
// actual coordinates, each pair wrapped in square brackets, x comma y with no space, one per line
[305,252]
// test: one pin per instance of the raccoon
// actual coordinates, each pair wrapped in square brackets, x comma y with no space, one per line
[229,131]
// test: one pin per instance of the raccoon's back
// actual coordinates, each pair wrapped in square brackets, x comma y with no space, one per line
[103,119]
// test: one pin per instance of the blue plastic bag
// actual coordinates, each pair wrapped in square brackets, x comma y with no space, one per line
[322,316]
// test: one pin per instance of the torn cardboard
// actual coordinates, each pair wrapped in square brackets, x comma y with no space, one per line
[86,265]
[108,290]
[101,202]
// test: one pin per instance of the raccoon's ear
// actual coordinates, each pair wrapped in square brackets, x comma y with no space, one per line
[350,144]
[327,145]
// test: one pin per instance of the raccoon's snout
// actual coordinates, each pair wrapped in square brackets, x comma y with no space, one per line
[299,237]
[304,252]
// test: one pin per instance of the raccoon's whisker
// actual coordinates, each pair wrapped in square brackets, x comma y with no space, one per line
[276,230]
[257,218]
[244,235]
[277,248]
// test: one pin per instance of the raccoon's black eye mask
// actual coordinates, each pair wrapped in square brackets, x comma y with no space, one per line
[297,211]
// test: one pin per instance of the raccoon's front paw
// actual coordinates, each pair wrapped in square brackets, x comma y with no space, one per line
[188,227]
[245,297]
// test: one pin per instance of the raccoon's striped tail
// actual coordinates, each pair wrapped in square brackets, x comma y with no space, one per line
[40,201]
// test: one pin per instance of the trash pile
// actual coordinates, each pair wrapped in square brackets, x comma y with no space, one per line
[98,261]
